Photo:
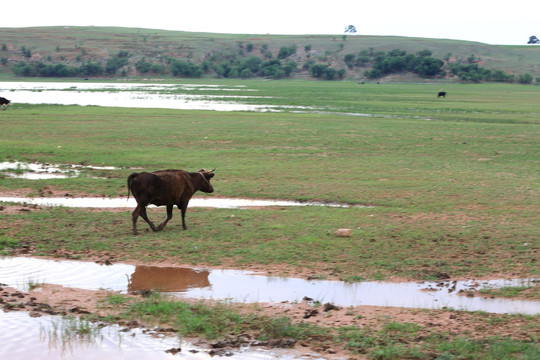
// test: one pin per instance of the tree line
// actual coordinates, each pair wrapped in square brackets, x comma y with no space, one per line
[239,65]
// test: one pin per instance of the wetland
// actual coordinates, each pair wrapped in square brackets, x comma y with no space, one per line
[438,210]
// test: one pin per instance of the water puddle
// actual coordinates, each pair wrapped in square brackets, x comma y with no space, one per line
[250,287]
[23,337]
[38,171]
[209,202]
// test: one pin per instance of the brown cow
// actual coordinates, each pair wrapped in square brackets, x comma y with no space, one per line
[166,187]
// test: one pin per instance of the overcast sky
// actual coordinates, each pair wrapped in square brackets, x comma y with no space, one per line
[492,22]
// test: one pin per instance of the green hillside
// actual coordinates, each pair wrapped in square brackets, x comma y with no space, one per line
[158,49]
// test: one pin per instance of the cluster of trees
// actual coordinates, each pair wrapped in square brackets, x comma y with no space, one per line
[476,73]
[326,72]
[240,65]
[38,68]
[227,66]
[395,61]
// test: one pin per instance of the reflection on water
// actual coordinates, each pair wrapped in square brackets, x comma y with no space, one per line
[249,287]
[167,278]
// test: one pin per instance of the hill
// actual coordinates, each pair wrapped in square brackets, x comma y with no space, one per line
[131,52]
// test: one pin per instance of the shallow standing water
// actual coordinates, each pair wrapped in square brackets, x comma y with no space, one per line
[23,338]
[219,203]
[139,95]
[250,287]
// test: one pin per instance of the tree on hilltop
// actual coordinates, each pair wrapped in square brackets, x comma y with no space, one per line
[533,40]
[350,29]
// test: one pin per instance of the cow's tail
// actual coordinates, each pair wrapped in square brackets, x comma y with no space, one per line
[130,180]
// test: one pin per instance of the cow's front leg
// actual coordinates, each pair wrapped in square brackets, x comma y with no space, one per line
[145,217]
[183,208]
[169,217]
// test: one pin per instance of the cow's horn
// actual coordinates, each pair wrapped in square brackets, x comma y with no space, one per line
[212,170]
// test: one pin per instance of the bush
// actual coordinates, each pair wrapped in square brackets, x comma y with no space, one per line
[185,68]
[350,60]
[317,70]
[272,68]
[24,69]
[115,63]
[252,63]
[91,69]
[246,73]
[285,52]
[326,72]
[143,66]
[525,79]
[289,67]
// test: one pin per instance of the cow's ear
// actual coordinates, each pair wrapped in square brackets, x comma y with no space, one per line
[209,175]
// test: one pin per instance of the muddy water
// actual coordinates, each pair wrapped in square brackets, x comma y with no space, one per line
[23,337]
[251,287]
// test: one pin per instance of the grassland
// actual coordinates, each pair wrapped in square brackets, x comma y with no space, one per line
[452,183]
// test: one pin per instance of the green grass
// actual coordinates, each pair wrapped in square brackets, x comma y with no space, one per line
[532,291]
[71,333]
[389,339]
[215,321]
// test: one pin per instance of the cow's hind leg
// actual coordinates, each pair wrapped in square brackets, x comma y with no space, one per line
[140,211]
[169,217]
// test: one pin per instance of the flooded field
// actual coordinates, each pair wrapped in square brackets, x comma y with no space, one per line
[250,287]
[133,95]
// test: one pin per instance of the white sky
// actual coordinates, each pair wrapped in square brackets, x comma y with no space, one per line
[492,22]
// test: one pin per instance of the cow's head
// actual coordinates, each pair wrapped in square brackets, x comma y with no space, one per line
[207,175]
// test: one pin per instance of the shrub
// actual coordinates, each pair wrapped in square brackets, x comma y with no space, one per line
[185,68]
[91,69]
[525,79]
[143,66]
[285,52]
[24,69]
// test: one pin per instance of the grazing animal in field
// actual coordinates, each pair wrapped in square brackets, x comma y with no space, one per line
[441,94]
[4,103]
[166,187]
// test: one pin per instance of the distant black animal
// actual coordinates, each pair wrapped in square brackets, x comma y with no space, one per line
[441,94]
[166,187]
[4,103]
